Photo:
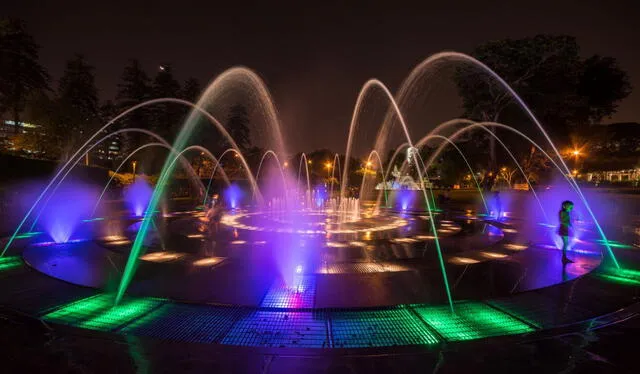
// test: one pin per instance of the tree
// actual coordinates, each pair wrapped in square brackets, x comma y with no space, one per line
[134,89]
[66,119]
[604,84]
[20,71]
[166,117]
[563,90]
[50,137]
[191,90]
[238,127]
[78,100]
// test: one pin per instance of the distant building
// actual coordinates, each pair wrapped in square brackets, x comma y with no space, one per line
[8,129]
[108,150]
[103,154]
[626,175]
[613,154]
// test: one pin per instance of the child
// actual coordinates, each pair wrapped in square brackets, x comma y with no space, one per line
[564,229]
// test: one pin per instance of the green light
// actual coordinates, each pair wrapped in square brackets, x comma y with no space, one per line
[27,235]
[620,280]
[120,314]
[99,313]
[79,310]
[622,276]
[472,320]
[379,328]
[12,262]
[614,244]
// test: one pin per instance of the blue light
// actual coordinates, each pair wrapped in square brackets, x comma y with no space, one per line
[233,194]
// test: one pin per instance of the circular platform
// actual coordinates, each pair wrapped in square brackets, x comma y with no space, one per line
[384,294]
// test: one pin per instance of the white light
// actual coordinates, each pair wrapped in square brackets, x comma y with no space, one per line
[208,261]
[515,247]
[493,255]
[463,260]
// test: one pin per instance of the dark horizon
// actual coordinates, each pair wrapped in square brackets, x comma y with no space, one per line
[315,60]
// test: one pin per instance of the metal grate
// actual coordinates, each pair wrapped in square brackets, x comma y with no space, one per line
[301,294]
[357,268]
[541,311]
[471,320]
[379,328]
[279,329]
[99,313]
[191,323]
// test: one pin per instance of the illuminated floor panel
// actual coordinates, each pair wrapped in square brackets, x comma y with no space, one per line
[300,295]
[379,328]
[192,323]
[10,262]
[99,313]
[471,321]
[279,329]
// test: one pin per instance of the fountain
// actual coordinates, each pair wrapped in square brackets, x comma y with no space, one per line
[137,196]
[62,219]
[284,242]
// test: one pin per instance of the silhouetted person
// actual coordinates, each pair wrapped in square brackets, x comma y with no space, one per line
[565,228]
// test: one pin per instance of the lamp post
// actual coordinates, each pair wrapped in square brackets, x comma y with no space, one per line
[576,155]
[134,163]
[327,165]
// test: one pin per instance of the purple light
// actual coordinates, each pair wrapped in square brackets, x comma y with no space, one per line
[232,195]
[405,198]
[47,244]
[137,196]
[69,205]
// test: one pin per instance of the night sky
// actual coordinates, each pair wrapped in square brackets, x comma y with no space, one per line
[315,59]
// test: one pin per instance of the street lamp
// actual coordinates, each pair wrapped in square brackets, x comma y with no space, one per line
[327,165]
[134,163]
[576,153]
[369,164]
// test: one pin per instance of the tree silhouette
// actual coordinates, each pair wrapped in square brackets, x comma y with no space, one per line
[191,90]
[562,89]
[78,96]
[69,117]
[134,88]
[238,127]
[166,117]
[20,71]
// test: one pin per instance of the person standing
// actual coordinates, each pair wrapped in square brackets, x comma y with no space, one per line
[565,228]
